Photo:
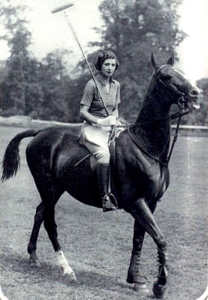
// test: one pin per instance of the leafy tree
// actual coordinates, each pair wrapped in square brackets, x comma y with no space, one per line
[30,87]
[76,86]
[54,80]
[18,39]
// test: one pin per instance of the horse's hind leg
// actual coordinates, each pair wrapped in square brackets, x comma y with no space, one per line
[50,195]
[44,191]
[32,246]
[44,188]
[51,228]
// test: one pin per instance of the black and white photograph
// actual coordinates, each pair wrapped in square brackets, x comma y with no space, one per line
[104,150]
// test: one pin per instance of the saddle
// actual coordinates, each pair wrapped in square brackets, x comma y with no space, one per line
[111,143]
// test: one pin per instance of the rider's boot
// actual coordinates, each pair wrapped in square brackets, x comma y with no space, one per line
[108,199]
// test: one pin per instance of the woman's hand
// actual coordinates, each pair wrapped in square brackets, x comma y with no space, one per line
[108,121]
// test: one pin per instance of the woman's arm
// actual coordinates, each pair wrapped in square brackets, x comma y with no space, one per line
[86,116]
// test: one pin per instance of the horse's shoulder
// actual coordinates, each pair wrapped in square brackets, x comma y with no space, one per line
[123,139]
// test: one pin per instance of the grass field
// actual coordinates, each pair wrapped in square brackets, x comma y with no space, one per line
[97,245]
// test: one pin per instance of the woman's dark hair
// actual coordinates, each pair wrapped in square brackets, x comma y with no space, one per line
[103,56]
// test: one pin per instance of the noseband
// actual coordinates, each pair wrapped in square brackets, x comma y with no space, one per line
[181,96]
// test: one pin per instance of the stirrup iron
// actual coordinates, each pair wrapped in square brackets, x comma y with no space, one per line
[109,202]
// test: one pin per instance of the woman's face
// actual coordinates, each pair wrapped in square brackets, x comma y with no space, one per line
[108,67]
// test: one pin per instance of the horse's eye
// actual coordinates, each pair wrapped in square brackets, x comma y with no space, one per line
[167,77]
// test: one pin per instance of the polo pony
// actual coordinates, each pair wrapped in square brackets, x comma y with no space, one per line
[140,174]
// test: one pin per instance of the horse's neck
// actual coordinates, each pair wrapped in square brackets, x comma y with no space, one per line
[153,122]
[155,105]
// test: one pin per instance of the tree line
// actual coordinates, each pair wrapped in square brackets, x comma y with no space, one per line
[132,29]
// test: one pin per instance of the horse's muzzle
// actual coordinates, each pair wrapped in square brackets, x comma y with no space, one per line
[196,96]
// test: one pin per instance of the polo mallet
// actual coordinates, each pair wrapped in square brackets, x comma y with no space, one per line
[64,7]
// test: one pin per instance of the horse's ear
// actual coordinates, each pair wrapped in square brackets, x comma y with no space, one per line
[154,64]
[171,59]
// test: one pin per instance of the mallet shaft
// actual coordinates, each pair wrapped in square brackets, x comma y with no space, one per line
[63,7]
[85,57]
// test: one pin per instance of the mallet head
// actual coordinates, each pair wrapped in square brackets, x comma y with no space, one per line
[60,8]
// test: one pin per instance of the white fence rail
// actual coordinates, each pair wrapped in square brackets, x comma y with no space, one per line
[25,121]
[191,127]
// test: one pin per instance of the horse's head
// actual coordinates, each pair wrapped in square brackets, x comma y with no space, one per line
[178,89]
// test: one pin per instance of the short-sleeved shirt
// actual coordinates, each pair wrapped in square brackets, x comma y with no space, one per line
[92,99]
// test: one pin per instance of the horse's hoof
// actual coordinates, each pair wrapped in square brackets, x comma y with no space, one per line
[71,276]
[34,263]
[158,290]
[141,288]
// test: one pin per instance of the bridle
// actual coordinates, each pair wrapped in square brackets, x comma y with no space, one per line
[182,99]
[181,104]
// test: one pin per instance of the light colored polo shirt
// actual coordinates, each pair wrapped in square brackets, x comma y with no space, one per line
[92,99]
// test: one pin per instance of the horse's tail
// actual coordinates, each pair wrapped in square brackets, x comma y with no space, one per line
[11,160]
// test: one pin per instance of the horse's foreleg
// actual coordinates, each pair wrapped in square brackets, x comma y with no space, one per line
[32,246]
[160,284]
[134,275]
[143,215]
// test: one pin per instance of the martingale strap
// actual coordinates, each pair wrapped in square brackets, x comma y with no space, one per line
[174,139]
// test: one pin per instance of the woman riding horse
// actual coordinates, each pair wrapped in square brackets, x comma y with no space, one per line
[99,115]
[140,170]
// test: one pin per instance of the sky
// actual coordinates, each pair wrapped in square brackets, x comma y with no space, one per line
[193,51]
[51,31]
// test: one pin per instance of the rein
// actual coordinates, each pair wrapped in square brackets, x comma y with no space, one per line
[177,115]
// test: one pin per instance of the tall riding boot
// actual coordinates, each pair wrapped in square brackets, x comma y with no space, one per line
[108,199]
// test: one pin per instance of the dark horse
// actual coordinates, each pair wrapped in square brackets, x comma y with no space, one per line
[140,170]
